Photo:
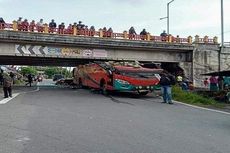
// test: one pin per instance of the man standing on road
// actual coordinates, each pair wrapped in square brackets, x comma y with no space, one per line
[166,81]
[7,85]
[30,79]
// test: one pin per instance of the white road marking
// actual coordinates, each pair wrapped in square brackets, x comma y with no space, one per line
[203,108]
[6,100]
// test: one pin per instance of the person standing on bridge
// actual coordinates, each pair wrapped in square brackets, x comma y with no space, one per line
[110,32]
[19,22]
[92,31]
[2,23]
[61,28]
[32,26]
[52,26]
[132,33]
[25,25]
[40,26]
[143,34]
[163,36]
[7,85]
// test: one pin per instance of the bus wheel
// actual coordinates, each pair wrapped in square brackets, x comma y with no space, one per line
[143,93]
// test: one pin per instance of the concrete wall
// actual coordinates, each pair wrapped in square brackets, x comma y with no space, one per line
[7,49]
[205,60]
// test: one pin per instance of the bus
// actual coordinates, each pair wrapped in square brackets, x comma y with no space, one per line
[117,76]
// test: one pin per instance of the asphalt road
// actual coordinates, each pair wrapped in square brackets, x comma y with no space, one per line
[62,120]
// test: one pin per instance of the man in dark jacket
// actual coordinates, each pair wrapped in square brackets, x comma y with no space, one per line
[132,33]
[163,36]
[143,34]
[7,85]
[52,26]
[30,79]
[166,81]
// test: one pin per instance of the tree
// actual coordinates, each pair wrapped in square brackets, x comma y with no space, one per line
[50,71]
[28,70]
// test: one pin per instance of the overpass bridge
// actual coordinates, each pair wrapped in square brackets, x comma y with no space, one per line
[45,48]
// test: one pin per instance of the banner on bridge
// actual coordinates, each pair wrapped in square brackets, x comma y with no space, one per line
[59,51]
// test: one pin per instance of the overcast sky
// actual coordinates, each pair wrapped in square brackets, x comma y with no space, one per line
[187,17]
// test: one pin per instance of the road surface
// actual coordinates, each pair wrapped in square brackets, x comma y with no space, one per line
[63,120]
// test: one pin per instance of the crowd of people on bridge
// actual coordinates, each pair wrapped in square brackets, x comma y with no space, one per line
[82,29]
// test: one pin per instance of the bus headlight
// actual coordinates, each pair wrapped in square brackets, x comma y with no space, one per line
[122,81]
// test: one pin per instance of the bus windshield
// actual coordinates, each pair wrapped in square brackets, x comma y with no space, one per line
[139,74]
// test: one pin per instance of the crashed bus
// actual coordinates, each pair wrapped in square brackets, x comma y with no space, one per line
[117,76]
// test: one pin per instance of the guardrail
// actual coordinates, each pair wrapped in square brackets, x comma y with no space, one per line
[104,34]
[227,44]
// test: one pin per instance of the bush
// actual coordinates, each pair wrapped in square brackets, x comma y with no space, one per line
[193,98]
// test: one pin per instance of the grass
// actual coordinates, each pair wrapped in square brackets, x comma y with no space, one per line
[194,99]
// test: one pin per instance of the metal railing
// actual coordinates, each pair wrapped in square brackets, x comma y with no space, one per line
[73,31]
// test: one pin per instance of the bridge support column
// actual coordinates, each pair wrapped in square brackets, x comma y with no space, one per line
[100,33]
[46,28]
[125,35]
[205,39]
[15,25]
[170,38]
[74,30]
[148,36]
[190,39]
[196,39]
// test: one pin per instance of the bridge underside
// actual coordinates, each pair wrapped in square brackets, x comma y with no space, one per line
[54,61]
[41,61]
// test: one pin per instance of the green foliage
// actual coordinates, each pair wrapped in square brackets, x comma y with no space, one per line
[50,71]
[28,70]
[19,82]
[193,98]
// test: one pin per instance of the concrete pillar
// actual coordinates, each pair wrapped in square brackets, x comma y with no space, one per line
[46,28]
[125,35]
[190,39]
[215,40]
[196,39]
[74,30]
[205,39]
[170,38]
[100,33]
[15,25]
[148,36]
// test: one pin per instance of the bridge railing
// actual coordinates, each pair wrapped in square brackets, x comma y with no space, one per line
[105,34]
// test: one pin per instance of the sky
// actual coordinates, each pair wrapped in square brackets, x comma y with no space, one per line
[187,17]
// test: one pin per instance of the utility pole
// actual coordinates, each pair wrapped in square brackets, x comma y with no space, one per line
[167,16]
[222,36]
